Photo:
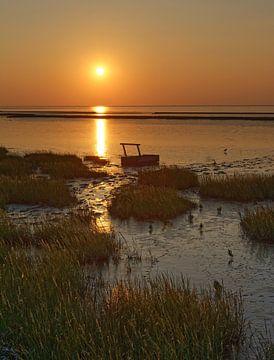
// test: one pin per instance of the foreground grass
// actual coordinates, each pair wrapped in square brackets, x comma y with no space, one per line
[238,187]
[26,190]
[258,224]
[77,235]
[62,166]
[148,202]
[173,177]
[48,310]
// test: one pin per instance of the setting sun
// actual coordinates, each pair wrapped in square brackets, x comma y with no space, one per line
[100,71]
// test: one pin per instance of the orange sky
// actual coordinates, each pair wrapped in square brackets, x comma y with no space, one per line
[154,51]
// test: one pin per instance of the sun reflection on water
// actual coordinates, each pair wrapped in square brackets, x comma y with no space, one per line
[101,137]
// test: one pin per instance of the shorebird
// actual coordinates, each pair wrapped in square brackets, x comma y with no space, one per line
[225,151]
[150,228]
[190,218]
[230,253]
[200,207]
[219,210]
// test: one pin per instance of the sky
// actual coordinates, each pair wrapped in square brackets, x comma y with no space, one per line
[153,51]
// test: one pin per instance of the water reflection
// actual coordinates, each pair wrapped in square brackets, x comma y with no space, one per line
[101,137]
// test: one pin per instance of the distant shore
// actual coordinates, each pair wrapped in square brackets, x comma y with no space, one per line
[261,116]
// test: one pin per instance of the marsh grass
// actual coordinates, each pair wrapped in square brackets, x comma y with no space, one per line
[12,165]
[258,224]
[76,235]
[173,177]
[238,187]
[62,166]
[27,190]
[3,151]
[48,311]
[148,202]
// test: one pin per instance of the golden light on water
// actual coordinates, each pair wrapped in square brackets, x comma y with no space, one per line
[101,137]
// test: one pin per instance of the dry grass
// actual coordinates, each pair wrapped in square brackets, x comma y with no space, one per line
[26,190]
[62,166]
[76,235]
[48,310]
[3,151]
[258,224]
[15,166]
[238,187]
[148,202]
[173,177]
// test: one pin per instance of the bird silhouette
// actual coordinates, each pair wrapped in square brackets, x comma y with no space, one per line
[201,207]
[219,210]
[225,151]
[230,253]
[150,229]
[190,218]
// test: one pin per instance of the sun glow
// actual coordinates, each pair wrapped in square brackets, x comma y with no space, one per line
[100,71]
[101,137]
[100,110]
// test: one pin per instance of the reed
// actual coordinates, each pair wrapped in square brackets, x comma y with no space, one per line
[173,177]
[3,151]
[76,235]
[14,166]
[238,187]
[27,190]
[62,166]
[50,310]
[258,224]
[145,202]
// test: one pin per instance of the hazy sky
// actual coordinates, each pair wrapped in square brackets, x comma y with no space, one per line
[154,52]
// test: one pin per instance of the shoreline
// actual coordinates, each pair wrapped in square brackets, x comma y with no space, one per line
[156,115]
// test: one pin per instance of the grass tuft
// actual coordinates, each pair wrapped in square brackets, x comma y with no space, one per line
[148,202]
[238,187]
[76,235]
[3,151]
[62,166]
[32,191]
[258,224]
[173,177]
[15,166]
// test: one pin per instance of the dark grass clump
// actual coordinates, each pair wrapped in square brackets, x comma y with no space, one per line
[15,166]
[49,311]
[30,191]
[148,202]
[3,152]
[76,235]
[62,166]
[258,224]
[238,187]
[173,177]
[10,233]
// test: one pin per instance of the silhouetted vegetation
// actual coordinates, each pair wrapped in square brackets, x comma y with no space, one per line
[238,187]
[27,190]
[258,224]
[173,177]
[148,202]
[3,151]
[64,166]
[76,234]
